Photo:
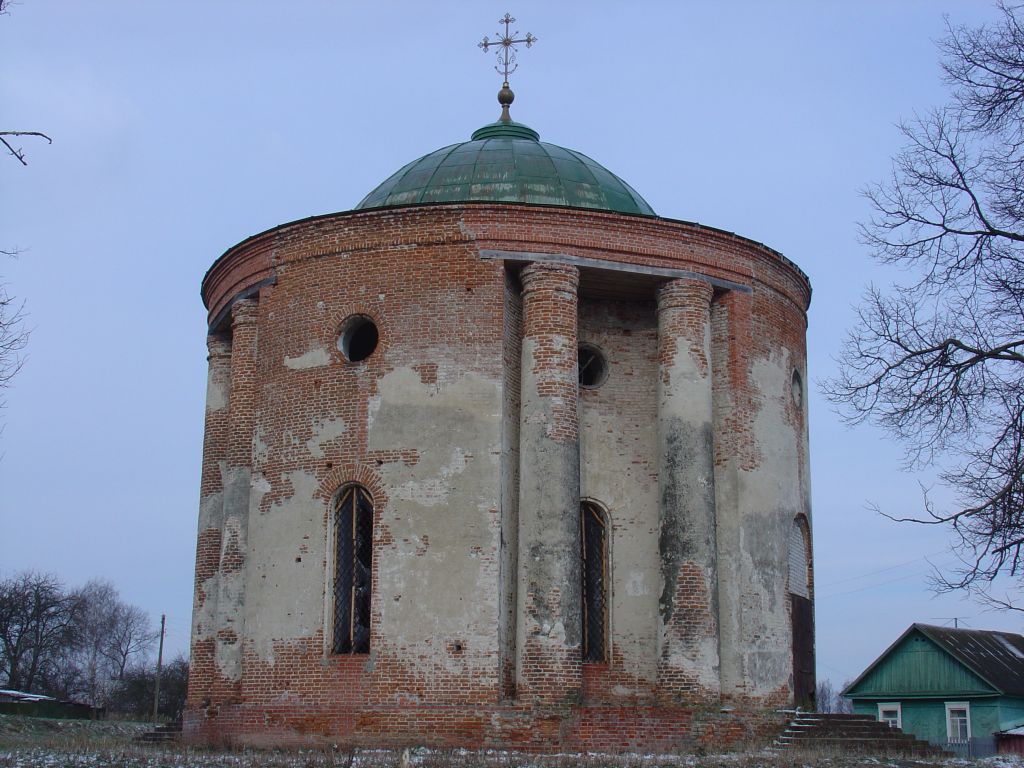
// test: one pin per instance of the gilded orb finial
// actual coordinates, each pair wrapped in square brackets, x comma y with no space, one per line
[507,63]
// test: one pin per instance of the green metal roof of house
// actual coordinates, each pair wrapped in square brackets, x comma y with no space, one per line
[994,658]
[507,162]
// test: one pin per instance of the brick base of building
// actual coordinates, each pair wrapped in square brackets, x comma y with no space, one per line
[512,727]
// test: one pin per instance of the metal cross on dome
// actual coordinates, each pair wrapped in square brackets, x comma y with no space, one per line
[507,52]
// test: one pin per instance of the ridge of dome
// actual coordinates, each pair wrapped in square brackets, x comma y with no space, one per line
[500,129]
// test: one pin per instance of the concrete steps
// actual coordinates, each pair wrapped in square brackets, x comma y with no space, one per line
[162,734]
[854,734]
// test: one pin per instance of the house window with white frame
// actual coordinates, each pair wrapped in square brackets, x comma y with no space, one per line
[891,713]
[958,721]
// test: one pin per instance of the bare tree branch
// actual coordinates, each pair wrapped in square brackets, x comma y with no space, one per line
[13,338]
[19,153]
[938,362]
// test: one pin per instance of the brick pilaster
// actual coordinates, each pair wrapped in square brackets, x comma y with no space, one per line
[237,483]
[688,665]
[243,381]
[549,665]
[736,453]
[211,520]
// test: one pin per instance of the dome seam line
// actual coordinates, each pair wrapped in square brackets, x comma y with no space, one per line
[419,197]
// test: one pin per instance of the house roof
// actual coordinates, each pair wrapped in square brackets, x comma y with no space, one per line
[995,657]
[7,694]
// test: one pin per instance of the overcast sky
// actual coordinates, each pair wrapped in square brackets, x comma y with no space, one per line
[181,128]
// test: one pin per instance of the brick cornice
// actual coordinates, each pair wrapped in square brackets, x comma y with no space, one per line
[655,243]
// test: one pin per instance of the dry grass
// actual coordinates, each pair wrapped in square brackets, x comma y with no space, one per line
[53,733]
[39,743]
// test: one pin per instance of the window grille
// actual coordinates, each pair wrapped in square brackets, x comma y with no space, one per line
[595,582]
[353,568]
[799,558]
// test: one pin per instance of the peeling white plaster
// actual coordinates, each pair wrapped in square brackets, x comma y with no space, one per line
[432,491]
[216,395]
[260,448]
[372,409]
[441,514]
[324,431]
[285,565]
[769,496]
[636,584]
[313,358]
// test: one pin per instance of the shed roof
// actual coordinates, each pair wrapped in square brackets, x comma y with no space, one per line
[995,657]
[8,694]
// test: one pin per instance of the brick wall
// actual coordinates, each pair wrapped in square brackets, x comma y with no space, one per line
[606,729]
[618,425]
[433,424]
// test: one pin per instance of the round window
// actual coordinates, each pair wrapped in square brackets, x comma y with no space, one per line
[358,338]
[592,366]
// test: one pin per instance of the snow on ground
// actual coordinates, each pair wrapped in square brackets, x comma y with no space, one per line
[147,757]
[43,743]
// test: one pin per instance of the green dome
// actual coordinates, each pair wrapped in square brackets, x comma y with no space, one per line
[507,162]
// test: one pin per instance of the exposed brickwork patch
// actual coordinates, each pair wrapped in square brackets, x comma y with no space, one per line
[289,423]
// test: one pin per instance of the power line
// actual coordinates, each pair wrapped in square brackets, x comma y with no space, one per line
[883,570]
[872,586]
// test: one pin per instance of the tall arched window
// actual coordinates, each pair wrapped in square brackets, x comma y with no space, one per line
[799,559]
[594,535]
[353,561]
[801,613]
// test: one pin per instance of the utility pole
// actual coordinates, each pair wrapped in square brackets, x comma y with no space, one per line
[159,664]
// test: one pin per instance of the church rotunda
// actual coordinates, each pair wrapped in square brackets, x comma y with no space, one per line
[502,458]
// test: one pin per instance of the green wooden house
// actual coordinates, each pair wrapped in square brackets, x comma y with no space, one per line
[962,689]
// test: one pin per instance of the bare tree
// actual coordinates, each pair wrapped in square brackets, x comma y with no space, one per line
[99,604]
[830,700]
[938,361]
[109,634]
[37,624]
[74,644]
[134,692]
[129,636]
[824,695]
